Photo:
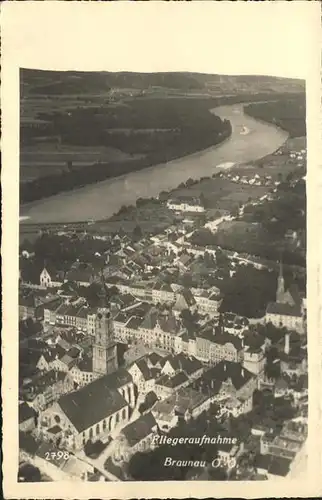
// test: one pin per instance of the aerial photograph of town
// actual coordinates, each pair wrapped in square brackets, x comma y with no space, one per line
[162,277]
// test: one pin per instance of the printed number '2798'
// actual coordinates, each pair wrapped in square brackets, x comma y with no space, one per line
[57,454]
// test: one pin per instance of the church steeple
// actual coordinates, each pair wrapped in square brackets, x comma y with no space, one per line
[104,348]
[280,285]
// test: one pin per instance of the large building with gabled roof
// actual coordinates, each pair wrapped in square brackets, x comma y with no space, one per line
[92,412]
[288,310]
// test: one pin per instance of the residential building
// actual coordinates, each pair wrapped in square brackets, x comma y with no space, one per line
[208,301]
[186,204]
[185,404]
[162,293]
[50,311]
[143,376]
[82,274]
[27,418]
[213,345]
[46,387]
[27,306]
[138,436]
[167,384]
[159,329]
[191,366]
[230,385]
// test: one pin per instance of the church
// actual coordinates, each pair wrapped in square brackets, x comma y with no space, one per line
[104,400]
[289,308]
[89,414]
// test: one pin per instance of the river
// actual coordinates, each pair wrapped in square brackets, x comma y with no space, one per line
[250,140]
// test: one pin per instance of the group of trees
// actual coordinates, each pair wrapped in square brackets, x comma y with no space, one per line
[270,411]
[29,328]
[248,292]
[61,248]
[73,82]
[287,113]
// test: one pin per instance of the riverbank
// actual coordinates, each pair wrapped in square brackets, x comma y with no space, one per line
[105,198]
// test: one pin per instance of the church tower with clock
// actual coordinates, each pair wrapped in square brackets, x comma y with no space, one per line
[105,346]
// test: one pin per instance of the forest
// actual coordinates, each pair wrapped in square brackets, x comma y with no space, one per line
[288,113]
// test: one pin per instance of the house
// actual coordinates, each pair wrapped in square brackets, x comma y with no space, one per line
[208,301]
[184,300]
[231,385]
[27,306]
[77,469]
[159,329]
[162,292]
[135,352]
[281,388]
[214,345]
[228,449]
[262,463]
[28,445]
[186,204]
[50,277]
[50,310]
[91,412]
[284,444]
[154,360]
[48,358]
[279,468]
[167,384]
[185,404]
[184,261]
[138,436]
[191,366]
[46,387]
[82,371]
[294,363]
[81,274]
[143,376]
[165,414]
[254,353]
[27,418]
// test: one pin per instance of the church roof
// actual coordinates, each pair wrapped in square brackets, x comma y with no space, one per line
[283,309]
[96,401]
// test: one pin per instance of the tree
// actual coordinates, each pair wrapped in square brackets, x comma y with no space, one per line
[190,182]
[29,473]
[164,195]
[137,233]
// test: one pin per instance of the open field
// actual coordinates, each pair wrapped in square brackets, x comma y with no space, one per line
[46,159]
